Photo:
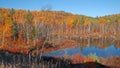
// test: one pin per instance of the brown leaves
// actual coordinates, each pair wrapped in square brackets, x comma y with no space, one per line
[78,58]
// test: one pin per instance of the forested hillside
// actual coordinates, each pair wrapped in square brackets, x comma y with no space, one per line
[21,30]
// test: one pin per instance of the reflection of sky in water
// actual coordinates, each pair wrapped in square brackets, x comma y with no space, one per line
[106,52]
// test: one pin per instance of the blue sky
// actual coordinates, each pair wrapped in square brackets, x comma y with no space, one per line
[85,7]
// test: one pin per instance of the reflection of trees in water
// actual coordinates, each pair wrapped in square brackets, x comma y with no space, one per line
[117,43]
[101,42]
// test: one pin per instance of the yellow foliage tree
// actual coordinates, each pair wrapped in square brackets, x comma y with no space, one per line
[86,22]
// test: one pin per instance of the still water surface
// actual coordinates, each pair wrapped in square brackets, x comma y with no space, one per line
[100,52]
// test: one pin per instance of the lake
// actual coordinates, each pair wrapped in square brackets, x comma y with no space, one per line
[100,52]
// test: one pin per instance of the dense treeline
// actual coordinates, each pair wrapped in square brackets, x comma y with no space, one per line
[21,27]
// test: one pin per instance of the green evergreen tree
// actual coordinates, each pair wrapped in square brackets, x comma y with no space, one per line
[15,30]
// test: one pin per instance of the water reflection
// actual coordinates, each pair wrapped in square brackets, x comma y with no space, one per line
[101,42]
[102,47]
[106,52]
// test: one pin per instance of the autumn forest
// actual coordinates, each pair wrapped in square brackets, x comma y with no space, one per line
[37,32]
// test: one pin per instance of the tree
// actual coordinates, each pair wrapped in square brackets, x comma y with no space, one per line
[29,17]
[103,21]
[11,13]
[87,23]
[75,22]
[64,27]
[81,23]
[1,31]
[15,30]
